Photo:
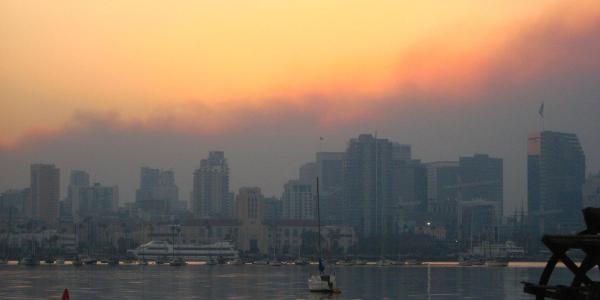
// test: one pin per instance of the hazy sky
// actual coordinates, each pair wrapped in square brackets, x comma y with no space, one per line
[110,86]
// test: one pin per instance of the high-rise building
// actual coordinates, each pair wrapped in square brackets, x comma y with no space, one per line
[368,185]
[158,194]
[273,209]
[45,192]
[211,197]
[13,202]
[442,180]
[330,170]
[555,175]
[481,177]
[410,184]
[78,179]
[442,176]
[401,152]
[96,200]
[298,200]
[591,191]
[250,212]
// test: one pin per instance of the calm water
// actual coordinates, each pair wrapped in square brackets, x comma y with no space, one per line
[263,282]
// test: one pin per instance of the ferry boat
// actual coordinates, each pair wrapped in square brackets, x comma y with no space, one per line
[155,250]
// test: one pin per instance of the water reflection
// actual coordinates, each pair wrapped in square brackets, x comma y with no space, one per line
[263,282]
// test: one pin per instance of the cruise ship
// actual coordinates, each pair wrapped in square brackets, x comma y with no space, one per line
[160,249]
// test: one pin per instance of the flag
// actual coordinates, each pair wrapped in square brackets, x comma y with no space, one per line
[541,111]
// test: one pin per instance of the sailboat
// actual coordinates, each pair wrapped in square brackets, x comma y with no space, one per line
[321,282]
[31,259]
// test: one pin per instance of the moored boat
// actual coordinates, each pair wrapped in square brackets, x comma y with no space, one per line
[177,262]
[29,260]
[497,262]
[236,262]
[155,250]
[322,282]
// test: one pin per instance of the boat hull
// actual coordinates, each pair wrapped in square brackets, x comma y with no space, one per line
[322,283]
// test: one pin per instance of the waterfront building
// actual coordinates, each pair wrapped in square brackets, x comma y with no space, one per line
[211,197]
[298,237]
[250,213]
[555,176]
[45,193]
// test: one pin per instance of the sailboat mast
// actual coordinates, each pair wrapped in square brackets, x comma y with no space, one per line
[319,218]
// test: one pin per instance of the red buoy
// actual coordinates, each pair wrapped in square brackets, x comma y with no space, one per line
[65,295]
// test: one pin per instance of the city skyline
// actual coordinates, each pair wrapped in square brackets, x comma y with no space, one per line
[186,195]
[264,94]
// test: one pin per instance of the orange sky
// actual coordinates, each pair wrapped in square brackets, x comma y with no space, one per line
[140,58]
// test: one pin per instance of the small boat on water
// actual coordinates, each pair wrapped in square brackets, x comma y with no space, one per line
[383,263]
[177,262]
[347,263]
[497,262]
[236,262]
[59,262]
[275,263]
[469,262]
[261,262]
[161,260]
[77,262]
[322,282]
[29,260]
[90,261]
[413,262]
[49,261]
[360,262]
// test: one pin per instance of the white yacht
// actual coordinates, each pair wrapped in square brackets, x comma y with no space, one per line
[155,250]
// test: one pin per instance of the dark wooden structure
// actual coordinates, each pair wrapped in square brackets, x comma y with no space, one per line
[581,287]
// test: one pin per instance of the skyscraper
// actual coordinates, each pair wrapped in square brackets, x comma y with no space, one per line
[94,200]
[78,179]
[157,193]
[45,192]
[368,183]
[555,175]
[481,177]
[441,176]
[330,170]
[211,197]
